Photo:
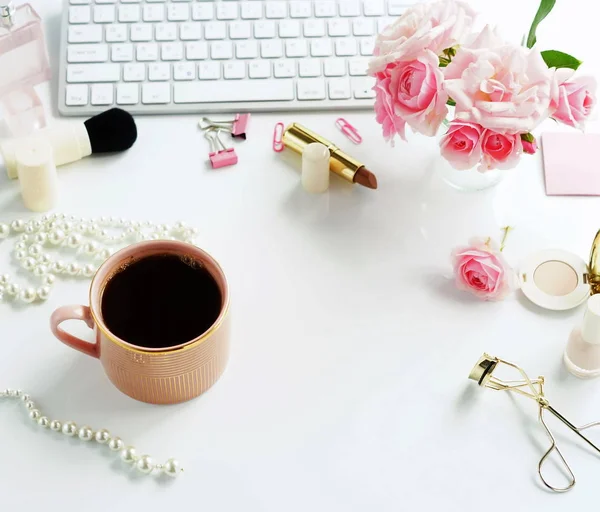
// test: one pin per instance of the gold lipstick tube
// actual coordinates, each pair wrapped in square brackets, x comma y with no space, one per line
[296,137]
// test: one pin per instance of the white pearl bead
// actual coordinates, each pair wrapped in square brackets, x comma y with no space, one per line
[155,236]
[34,414]
[90,248]
[180,226]
[74,241]
[45,259]
[43,292]
[89,270]
[24,238]
[12,393]
[73,269]
[18,393]
[58,267]
[81,227]
[67,226]
[35,224]
[4,230]
[104,254]
[4,279]
[25,397]
[85,433]
[43,422]
[40,238]
[102,436]
[103,234]
[35,250]
[56,425]
[17,225]
[69,428]
[56,236]
[172,468]
[40,270]
[29,405]
[145,464]
[20,255]
[20,246]
[49,279]
[93,228]
[116,444]
[28,295]
[29,229]
[28,263]
[13,289]
[128,455]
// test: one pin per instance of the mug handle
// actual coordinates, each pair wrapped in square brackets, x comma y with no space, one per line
[74,313]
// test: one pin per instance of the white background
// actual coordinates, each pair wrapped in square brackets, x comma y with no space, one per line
[347,387]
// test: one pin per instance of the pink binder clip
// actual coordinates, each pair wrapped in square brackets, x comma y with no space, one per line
[220,155]
[278,145]
[237,126]
[240,125]
[348,130]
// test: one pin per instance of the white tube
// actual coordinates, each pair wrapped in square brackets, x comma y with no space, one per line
[37,174]
[315,168]
[70,142]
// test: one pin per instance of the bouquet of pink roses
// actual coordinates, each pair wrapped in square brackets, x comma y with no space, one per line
[431,58]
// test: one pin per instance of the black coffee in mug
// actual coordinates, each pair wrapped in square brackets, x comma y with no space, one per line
[161,301]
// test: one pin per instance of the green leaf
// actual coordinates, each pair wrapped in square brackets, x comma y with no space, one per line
[528,137]
[451,102]
[556,59]
[545,7]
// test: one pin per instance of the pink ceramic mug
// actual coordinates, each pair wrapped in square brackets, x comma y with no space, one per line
[157,376]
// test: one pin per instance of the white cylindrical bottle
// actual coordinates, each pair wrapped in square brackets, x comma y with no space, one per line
[315,168]
[582,355]
[37,174]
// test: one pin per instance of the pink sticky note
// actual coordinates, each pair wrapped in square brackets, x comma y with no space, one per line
[571,164]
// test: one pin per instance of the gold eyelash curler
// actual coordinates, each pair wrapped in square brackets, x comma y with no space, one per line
[533,389]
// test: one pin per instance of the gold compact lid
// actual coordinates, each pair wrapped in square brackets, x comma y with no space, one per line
[482,371]
[594,267]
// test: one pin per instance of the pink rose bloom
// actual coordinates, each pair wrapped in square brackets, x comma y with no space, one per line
[482,270]
[500,150]
[573,100]
[432,26]
[506,89]
[529,147]
[461,145]
[392,124]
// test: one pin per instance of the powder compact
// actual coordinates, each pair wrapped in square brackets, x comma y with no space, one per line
[559,280]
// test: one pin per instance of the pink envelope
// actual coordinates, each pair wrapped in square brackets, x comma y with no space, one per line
[571,163]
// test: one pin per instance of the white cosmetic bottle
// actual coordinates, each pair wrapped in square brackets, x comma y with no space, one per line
[582,355]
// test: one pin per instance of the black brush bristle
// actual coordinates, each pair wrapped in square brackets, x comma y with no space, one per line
[113,130]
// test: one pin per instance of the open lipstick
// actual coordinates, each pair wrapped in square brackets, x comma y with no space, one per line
[296,137]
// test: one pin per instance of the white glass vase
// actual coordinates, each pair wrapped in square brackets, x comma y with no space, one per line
[470,180]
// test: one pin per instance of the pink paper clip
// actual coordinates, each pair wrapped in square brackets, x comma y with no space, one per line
[348,130]
[278,145]
[220,156]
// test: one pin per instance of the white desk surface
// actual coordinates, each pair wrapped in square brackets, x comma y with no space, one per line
[347,386]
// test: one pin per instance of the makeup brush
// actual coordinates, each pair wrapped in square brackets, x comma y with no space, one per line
[108,132]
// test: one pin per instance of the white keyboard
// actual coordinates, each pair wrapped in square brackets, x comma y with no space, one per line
[192,56]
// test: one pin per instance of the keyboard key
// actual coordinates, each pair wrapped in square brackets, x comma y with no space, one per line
[131,1]
[129,13]
[134,72]
[325,9]
[178,12]
[85,34]
[154,13]
[296,48]
[122,52]
[105,14]
[358,67]
[259,69]
[106,1]
[87,53]
[159,72]
[184,71]
[363,27]
[321,48]
[275,10]
[190,31]
[165,31]
[314,28]
[171,51]
[235,70]
[289,28]
[215,30]
[300,9]
[102,94]
[251,10]
[128,94]
[350,8]
[309,68]
[264,30]
[374,8]
[345,47]
[363,88]
[246,50]
[196,51]
[367,46]
[311,89]
[76,95]
[156,93]
[259,90]
[80,2]
[240,30]
[206,71]
[396,7]
[221,50]
[141,32]
[339,89]
[271,49]
[227,11]
[115,33]
[337,28]
[147,52]
[203,12]
[81,73]
[285,68]
[80,14]
[335,67]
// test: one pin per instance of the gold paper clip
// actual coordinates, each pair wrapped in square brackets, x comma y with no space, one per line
[482,373]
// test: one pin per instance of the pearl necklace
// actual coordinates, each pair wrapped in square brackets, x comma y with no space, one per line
[143,463]
[92,239]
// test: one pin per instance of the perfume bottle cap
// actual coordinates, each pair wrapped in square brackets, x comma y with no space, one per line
[7,10]
[590,330]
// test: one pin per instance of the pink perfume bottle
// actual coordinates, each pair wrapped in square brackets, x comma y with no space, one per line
[23,65]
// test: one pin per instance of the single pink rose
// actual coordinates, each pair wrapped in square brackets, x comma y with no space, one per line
[529,147]
[461,145]
[506,89]
[500,150]
[392,124]
[433,26]
[481,269]
[574,101]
